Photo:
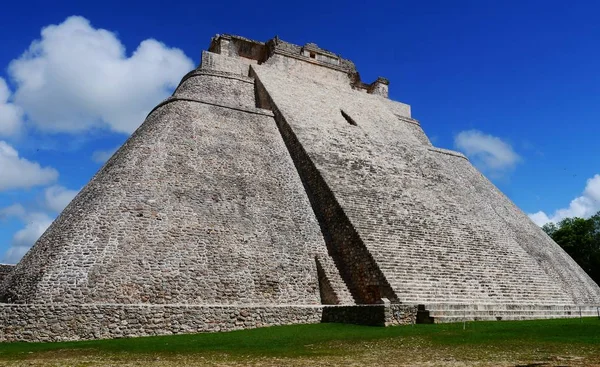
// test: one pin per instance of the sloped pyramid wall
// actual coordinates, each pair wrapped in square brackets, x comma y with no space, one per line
[202,205]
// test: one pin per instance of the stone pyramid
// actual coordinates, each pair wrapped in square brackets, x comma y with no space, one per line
[276,187]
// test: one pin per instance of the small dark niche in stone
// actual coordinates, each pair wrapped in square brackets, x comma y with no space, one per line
[348,118]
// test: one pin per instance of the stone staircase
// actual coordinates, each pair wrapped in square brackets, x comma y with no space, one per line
[495,276]
[452,291]
[455,312]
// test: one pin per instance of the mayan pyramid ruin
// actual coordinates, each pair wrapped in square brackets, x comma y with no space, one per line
[275,187]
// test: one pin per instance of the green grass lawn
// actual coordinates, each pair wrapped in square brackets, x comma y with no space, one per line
[549,342]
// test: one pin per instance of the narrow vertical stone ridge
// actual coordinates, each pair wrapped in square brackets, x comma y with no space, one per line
[328,294]
[331,275]
[355,263]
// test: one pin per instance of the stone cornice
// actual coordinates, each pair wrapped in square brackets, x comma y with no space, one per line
[256,111]
[447,152]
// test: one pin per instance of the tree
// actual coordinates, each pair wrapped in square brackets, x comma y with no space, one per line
[580,238]
[549,228]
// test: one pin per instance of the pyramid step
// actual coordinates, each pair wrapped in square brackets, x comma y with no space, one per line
[500,317]
[507,307]
[507,313]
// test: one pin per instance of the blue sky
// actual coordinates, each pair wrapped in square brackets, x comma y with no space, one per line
[513,84]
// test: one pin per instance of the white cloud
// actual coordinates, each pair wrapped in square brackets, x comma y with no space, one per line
[17,172]
[583,206]
[11,116]
[540,218]
[36,222]
[35,225]
[58,197]
[14,254]
[77,77]
[15,210]
[101,156]
[491,154]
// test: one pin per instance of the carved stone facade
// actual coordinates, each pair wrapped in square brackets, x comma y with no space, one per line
[274,183]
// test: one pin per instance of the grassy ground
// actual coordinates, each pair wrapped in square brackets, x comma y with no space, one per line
[571,342]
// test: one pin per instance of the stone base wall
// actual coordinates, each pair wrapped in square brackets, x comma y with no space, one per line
[400,314]
[372,315]
[61,322]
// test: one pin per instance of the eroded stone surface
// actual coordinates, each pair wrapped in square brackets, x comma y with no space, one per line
[4,270]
